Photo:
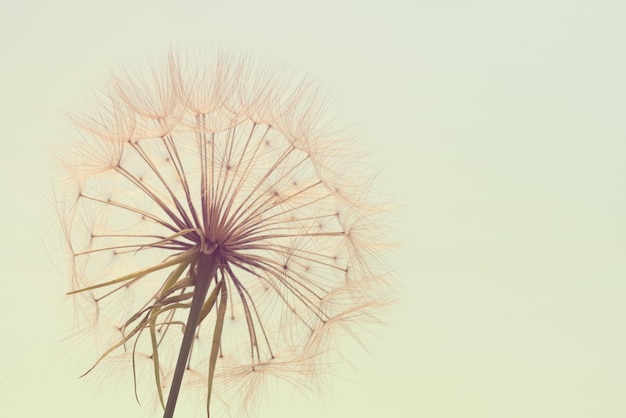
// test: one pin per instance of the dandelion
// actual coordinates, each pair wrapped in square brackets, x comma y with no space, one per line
[219,234]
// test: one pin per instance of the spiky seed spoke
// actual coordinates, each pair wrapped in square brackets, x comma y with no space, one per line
[269,202]
[248,316]
[129,208]
[244,206]
[255,220]
[276,269]
[291,223]
[246,172]
[166,185]
[264,237]
[152,195]
[233,193]
[289,281]
[172,151]
[266,278]
[242,290]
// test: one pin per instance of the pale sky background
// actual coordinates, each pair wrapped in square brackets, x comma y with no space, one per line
[498,127]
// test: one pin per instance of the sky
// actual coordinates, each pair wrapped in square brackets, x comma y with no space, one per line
[497,130]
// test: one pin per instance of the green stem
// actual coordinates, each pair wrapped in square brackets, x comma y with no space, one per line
[207,269]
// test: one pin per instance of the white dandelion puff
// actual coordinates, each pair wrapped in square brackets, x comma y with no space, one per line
[219,237]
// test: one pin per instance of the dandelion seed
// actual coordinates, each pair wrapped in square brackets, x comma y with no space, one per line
[217,231]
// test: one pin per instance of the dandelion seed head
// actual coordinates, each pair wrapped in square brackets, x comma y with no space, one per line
[216,157]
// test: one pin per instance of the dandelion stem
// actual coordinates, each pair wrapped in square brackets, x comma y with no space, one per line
[206,271]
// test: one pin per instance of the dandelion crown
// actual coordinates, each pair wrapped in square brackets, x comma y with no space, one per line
[219,235]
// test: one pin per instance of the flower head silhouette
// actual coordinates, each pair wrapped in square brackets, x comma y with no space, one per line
[219,234]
